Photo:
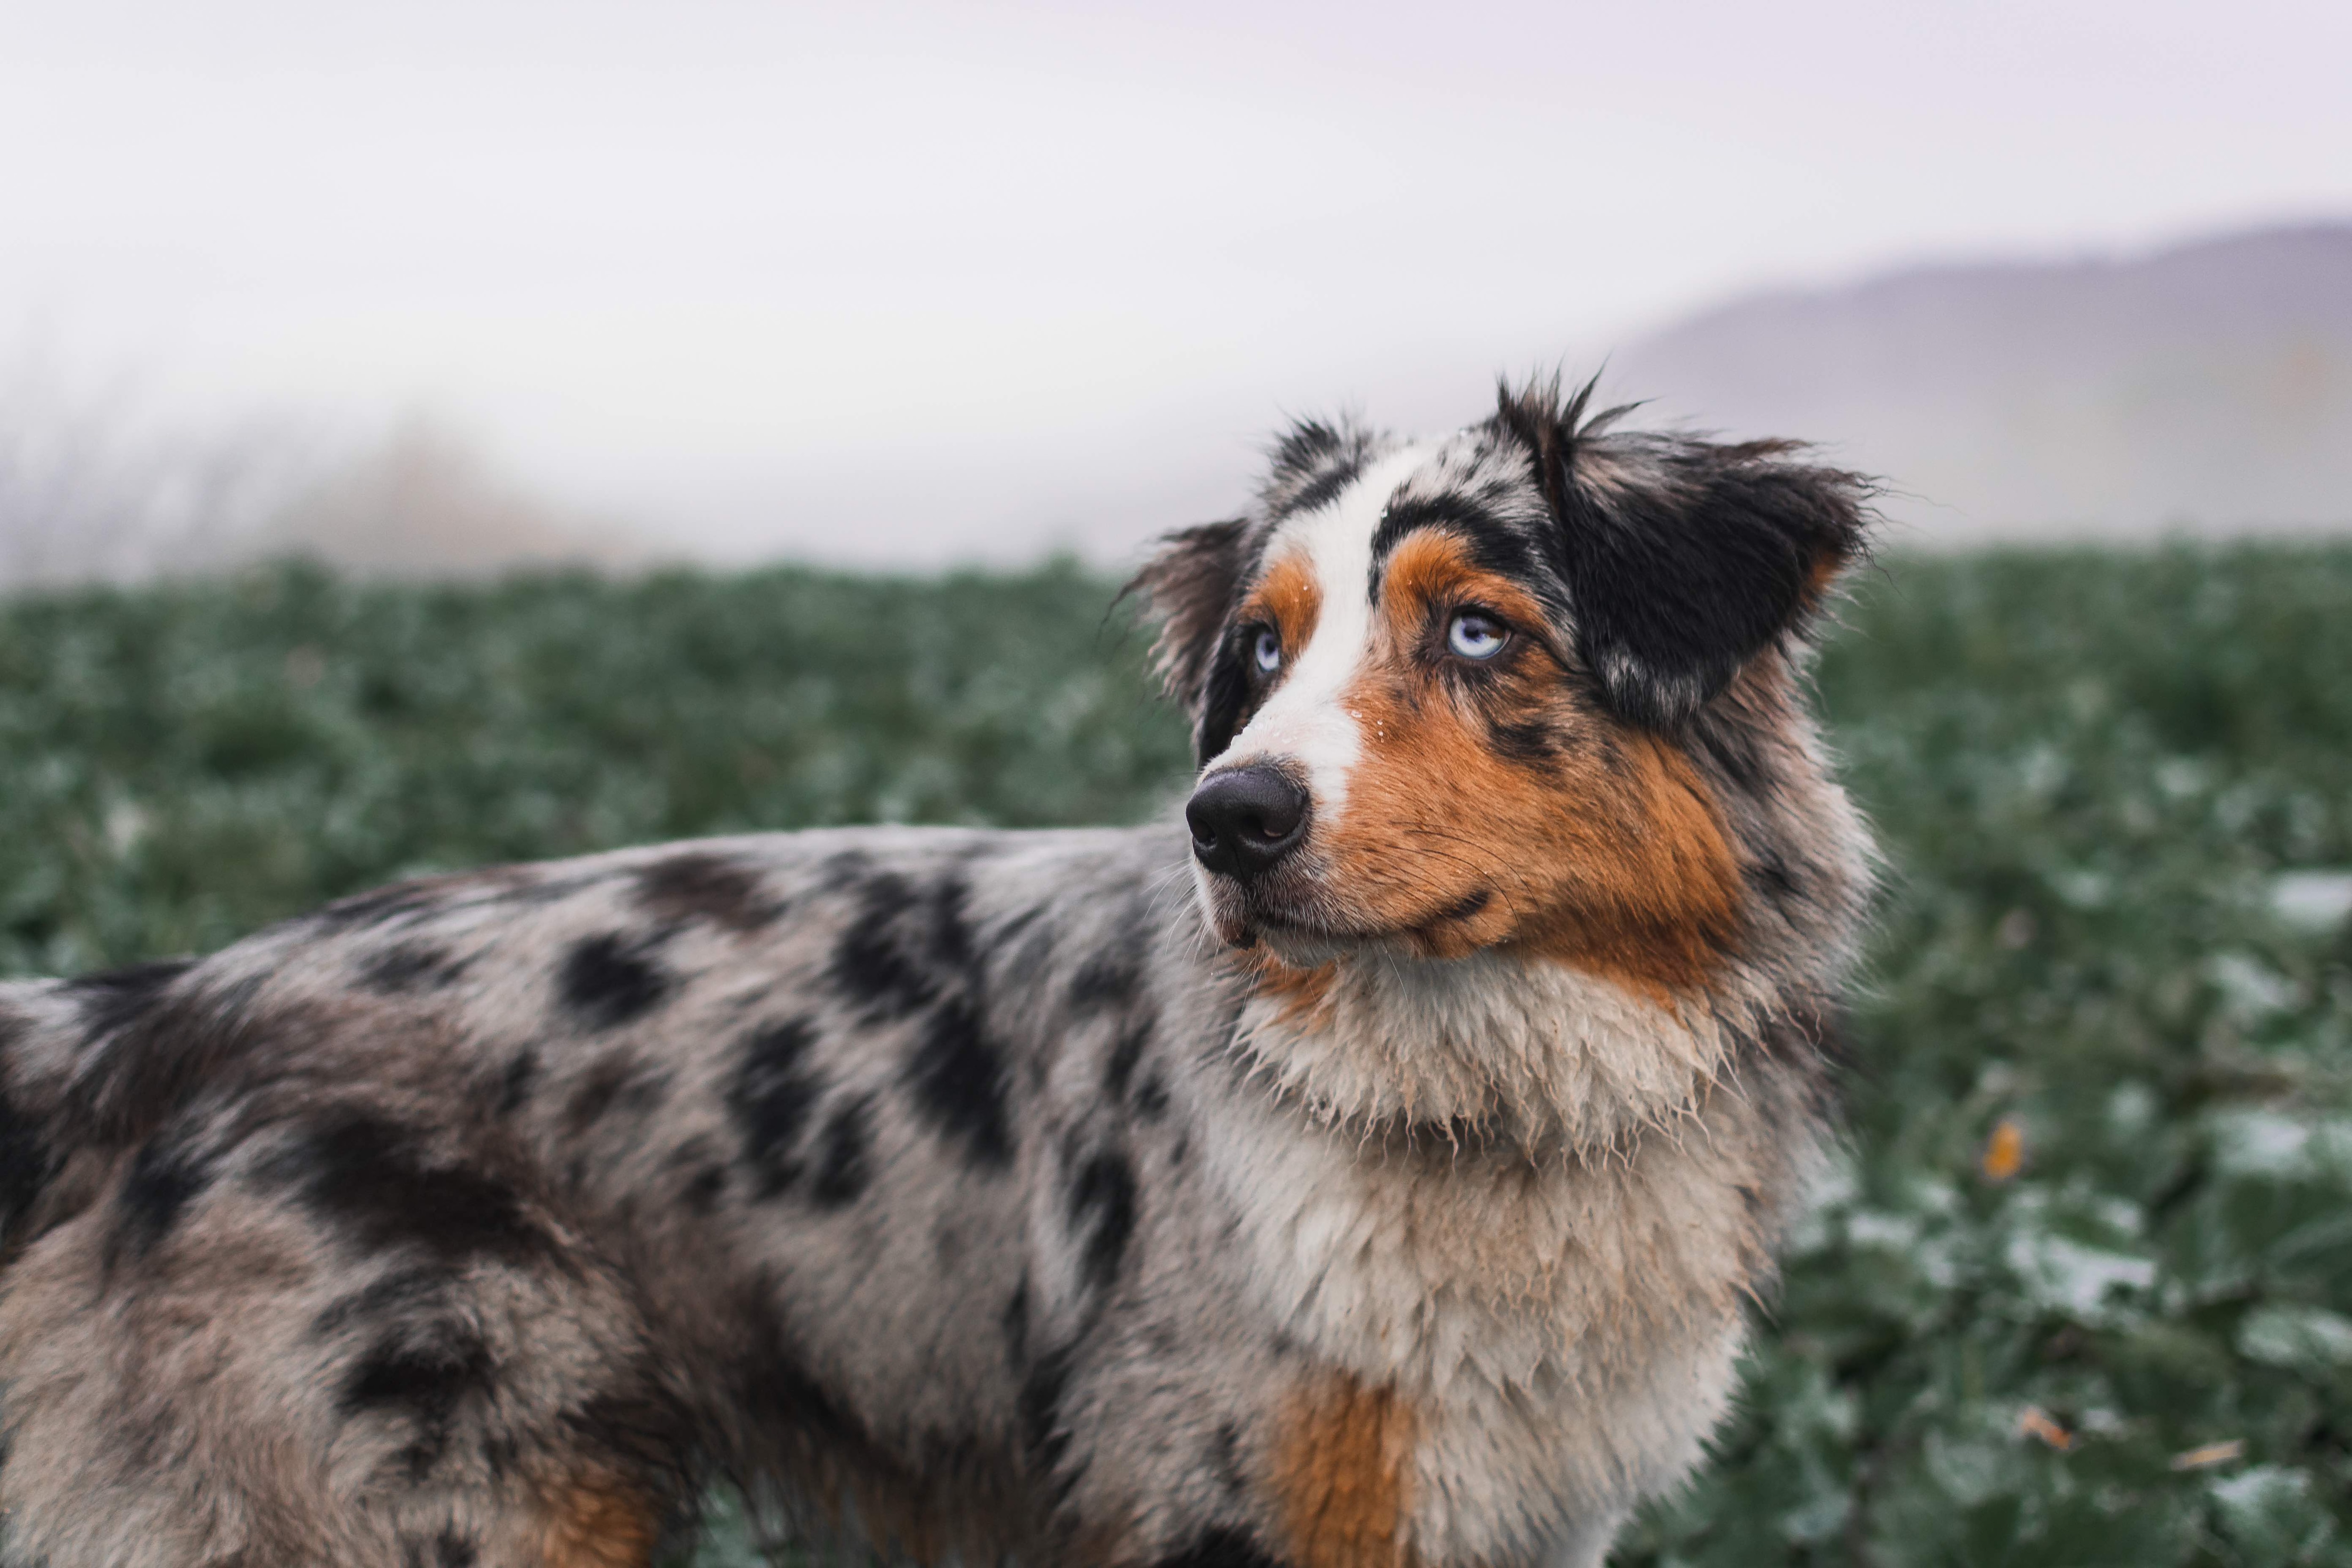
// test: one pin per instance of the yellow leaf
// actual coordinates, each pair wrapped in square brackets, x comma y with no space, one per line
[2211,1454]
[2033,1422]
[2004,1151]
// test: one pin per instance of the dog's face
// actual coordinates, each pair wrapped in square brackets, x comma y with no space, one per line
[1440,691]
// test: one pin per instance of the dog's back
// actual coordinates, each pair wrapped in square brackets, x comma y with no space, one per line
[484,1209]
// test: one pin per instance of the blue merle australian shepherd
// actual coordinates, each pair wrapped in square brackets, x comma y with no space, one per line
[1370,1166]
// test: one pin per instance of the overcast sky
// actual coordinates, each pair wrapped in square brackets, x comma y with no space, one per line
[903,281]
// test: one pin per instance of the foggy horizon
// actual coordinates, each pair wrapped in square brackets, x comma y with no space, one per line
[925,283]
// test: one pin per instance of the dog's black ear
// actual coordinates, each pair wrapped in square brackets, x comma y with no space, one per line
[1683,558]
[1189,588]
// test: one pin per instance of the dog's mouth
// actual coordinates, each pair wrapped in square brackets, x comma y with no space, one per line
[1300,926]
[1282,933]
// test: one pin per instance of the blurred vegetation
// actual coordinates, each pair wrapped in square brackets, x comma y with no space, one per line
[183,763]
[2081,1291]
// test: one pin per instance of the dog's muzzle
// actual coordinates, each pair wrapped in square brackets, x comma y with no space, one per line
[1246,819]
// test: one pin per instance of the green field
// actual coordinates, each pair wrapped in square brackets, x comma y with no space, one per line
[2092,773]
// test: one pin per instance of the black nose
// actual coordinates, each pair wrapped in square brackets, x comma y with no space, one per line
[1245,820]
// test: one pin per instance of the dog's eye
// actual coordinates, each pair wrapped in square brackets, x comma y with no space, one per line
[1473,634]
[1270,649]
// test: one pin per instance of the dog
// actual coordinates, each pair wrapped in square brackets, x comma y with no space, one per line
[1371,1166]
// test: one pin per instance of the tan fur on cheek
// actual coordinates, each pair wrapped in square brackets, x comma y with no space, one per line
[1608,854]
[1342,1474]
[1658,907]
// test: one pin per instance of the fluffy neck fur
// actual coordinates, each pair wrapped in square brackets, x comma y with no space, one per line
[1479,1173]
[1491,1050]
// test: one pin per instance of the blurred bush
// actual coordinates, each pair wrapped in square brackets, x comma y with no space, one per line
[2080,1287]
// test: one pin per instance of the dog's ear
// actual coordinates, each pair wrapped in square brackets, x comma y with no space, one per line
[1684,558]
[1189,589]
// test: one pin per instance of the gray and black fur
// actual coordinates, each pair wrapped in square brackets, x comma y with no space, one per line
[939,1185]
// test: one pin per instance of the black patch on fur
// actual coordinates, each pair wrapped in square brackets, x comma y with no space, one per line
[1190,587]
[166,1175]
[844,1163]
[153,1045]
[27,1166]
[1683,559]
[770,1100]
[1101,1205]
[1490,543]
[1225,1459]
[420,1372]
[1720,739]
[1119,1067]
[113,1000]
[1324,487]
[1223,1546]
[411,966]
[610,980]
[1226,696]
[516,1083]
[879,963]
[949,934]
[403,1290]
[369,1177]
[700,885]
[1463,909]
[1311,463]
[704,1189]
[1767,875]
[1151,1104]
[1044,1436]
[1530,742]
[1014,1322]
[1109,978]
[958,1078]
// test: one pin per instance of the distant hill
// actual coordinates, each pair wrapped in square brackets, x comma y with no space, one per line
[2206,387]
[2203,388]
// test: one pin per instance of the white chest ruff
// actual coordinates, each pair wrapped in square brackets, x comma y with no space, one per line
[1564,1316]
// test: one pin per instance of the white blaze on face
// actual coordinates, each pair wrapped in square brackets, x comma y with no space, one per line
[1304,722]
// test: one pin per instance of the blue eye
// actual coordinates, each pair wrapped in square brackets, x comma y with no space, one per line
[1474,635]
[1270,649]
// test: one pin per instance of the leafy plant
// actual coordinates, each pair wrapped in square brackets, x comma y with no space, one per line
[2080,1288]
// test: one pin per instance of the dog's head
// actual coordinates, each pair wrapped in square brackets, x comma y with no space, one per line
[1442,693]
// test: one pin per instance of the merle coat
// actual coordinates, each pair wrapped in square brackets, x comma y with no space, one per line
[1390,1194]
